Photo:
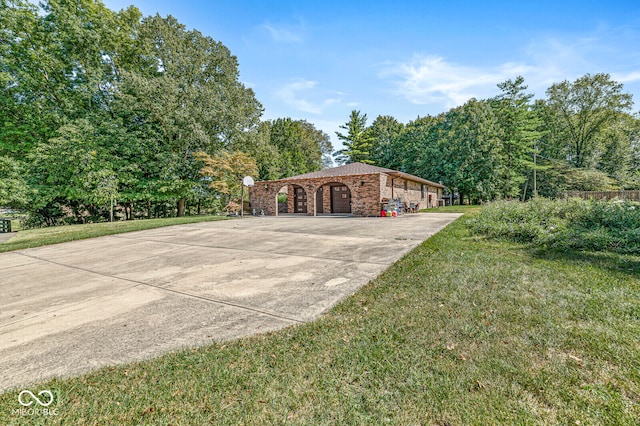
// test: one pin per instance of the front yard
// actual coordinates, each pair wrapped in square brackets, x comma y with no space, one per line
[460,331]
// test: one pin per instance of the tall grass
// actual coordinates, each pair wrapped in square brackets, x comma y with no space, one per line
[564,224]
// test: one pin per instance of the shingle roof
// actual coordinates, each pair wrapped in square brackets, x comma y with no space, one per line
[359,169]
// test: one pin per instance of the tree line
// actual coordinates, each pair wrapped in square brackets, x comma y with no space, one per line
[583,134]
[98,105]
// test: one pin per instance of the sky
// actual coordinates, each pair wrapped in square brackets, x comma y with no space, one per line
[319,60]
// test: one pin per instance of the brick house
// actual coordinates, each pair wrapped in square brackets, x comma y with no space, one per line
[358,189]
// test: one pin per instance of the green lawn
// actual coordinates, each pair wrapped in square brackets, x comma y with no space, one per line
[453,209]
[460,331]
[60,234]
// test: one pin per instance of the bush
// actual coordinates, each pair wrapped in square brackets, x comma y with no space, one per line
[564,224]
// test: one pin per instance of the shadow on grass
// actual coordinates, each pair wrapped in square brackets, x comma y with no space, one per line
[613,262]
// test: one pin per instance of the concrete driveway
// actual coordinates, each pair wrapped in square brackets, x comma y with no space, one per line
[69,308]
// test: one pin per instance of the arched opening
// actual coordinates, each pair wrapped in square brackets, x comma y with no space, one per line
[282,200]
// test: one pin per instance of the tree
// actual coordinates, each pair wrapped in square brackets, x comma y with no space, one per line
[57,63]
[191,97]
[470,160]
[14,190]
[417,149]
[226,171]
[518,131]
[300,147]
[357,142]
[73,170]
[618,140]
[584,109]
[384,131]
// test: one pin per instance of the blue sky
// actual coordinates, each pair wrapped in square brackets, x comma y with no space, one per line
[318,60]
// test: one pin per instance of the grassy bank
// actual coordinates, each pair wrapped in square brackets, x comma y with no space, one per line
[60,234]
[462,330]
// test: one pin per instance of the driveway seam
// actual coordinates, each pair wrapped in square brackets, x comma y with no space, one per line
[182,293]
[249,250]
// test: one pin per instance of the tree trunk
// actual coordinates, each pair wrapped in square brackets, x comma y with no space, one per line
[461,198]
[148,209]
[182,203]
[199,206]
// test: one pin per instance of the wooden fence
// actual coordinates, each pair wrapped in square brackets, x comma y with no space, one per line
[604,195]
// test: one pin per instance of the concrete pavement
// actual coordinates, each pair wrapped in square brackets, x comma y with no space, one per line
[72,307]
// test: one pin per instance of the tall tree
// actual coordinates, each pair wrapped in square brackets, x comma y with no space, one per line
[384,131]
[300,146]
[470,160]
[618,139]
[190,96]
[357,142]
[416,150]
[518,131]
[584,109]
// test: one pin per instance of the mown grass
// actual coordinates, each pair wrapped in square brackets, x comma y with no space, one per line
[461,331]
[453,209]
[60,234]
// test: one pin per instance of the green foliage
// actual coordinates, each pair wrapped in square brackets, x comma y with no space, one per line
[357,142]
[557,178]
[98,104]
[14,191]
[582,111]
[226,171]
[385,130]
[487,152]
[571,224]
[464,151]
[297,147]
[518,131]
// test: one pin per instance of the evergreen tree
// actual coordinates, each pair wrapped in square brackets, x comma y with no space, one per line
[357,142]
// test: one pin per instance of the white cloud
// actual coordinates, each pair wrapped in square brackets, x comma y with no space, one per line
[431,79]
[304,95]
[626,77]
[545,60]
[281,34]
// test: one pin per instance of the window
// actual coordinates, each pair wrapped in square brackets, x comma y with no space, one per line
[422,188]
[405,185]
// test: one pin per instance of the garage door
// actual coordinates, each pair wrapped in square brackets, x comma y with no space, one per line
[340,199]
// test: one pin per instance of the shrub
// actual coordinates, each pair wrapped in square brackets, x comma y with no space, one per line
[564,224]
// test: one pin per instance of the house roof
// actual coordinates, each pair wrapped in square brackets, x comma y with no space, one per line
[360,169]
